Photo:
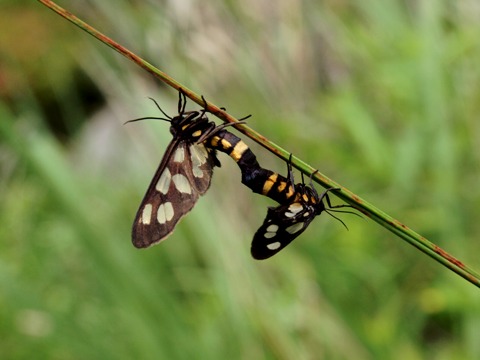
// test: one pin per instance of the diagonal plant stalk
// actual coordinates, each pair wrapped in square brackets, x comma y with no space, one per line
[366,208]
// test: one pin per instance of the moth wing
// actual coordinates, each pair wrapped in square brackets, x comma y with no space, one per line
[282,225]
[202,161]
[184,174]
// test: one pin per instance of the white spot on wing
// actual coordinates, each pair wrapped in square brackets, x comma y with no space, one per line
[169,211]
[164,182]
[294,228]
[165,212]
[199,154]
[146,214]
[271,231]
[182,184]
[197,172]
[179,155]
[161,214]
[274,246]
[294,208]
[272,228]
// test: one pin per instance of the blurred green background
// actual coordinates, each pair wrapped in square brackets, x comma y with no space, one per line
[381,96]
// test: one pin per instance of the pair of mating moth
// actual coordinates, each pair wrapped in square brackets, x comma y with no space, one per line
[185,173]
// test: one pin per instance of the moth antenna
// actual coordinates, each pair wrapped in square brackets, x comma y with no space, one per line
[159,108]
[335,217]
[168,118]
[344,211]
[146,118]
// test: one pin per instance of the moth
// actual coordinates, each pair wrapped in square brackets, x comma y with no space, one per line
[287,221]
[184,174]
[185,171]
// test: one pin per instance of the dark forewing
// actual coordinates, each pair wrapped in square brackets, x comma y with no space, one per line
[281,226]
[183,175]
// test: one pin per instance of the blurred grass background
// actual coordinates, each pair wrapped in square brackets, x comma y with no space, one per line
[381,96]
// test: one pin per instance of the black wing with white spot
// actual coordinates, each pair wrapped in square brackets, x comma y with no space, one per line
[184,174]
[281,226]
